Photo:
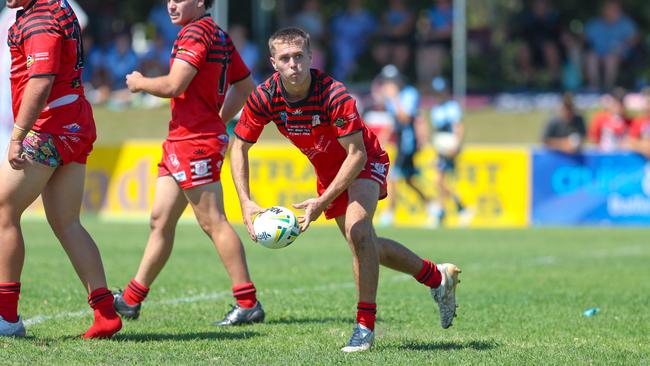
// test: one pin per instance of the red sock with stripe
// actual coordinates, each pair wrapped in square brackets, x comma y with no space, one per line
[366,314]
[135,293]
[106,322]
[245,293]
[9,294]
[429,274]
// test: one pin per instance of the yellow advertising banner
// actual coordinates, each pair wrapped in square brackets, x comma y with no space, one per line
[494,182]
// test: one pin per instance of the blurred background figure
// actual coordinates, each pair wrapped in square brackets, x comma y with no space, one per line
[310,19]
[434,38]
[446,119]
[350,31]
[248,50]
[395,35]
[159,18]
[565,132]
[611,39]
[639,136]
[609,127]
[540,55]
[120,60]
[401,101]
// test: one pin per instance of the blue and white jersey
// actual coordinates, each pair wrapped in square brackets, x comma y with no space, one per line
[409,98]
[444,116]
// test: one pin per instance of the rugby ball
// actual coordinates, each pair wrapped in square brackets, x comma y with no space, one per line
[445,143]
[276,227]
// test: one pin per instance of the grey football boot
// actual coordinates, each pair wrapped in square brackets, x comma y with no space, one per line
[445,294]
[238,316]
[126,311]
[8,329]
[361,340]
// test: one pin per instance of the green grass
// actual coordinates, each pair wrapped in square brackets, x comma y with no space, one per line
[522,296]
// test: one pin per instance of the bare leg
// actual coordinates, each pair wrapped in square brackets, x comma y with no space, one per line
[18,190]
[62,201]
[416,189]
[168,205]
[592,64]
[207,202]
[611,70]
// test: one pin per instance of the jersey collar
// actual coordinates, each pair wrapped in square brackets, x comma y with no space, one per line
[26,8]
[309,92]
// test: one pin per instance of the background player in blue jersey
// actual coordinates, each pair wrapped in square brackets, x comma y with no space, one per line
[446,120]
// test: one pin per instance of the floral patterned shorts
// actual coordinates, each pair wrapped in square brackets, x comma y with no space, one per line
[39,147]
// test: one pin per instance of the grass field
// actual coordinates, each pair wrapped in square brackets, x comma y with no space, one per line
[522,296]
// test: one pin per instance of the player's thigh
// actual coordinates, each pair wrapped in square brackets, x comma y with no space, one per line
[19,188]
[363,197]
[63,194]
[169,202]
[207,202]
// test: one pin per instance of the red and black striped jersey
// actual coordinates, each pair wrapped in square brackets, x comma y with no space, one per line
[210,50]
[46,40]
[313,124]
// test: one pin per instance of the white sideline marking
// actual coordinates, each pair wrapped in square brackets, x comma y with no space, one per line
[38,319]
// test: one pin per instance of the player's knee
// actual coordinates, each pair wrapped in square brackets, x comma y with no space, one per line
[62,227]
[160,223]
[212,223]
[359,234]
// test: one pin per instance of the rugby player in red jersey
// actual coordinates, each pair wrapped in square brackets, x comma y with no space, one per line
[318,115]
[52,136]
[208,83]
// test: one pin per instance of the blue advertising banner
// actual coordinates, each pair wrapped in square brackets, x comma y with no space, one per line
[590,188]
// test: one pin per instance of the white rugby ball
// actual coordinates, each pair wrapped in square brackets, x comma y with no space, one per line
[445,143]
[276,227]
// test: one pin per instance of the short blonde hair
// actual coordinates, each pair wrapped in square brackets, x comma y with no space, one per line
[291,35]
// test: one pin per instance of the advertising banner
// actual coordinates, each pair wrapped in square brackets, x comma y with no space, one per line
[590,188]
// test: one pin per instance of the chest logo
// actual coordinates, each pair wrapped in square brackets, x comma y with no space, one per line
[297,112]
[315,120]
[283,116]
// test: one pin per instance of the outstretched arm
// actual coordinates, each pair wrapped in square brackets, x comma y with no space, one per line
[171,85]
[349,171]
[240,176]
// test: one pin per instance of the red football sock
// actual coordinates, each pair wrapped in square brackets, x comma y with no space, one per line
[9,293]
[135,293]
[245,294]
[429,274]
[106,322]
[366,314]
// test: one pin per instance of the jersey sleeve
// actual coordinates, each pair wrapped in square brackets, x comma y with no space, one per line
[193,44]
[254,117]
[42,46]
[237,70]
[343,111]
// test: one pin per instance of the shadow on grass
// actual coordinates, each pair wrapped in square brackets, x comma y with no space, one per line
[449,346]
[158,337]
[308,320]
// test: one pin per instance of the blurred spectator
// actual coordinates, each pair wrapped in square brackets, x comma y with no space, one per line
[159,17]
[611,39]
[248,50]
[609,127]
[310,19]
[121,60]
[446,119]
[434,36]
[639,136]
[395,35]
[402,102]
[566,132]
[350,30]
[156,61]
[541,31]
[95,75]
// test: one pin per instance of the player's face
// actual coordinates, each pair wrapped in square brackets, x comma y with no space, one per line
[13,4]
[181,12]
[292,61]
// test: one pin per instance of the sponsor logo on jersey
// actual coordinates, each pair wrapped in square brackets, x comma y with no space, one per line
[174,160]
[315,120]
[339,122]
[201,168]
[72,127]
[182,51]
[199,152]
[378,168]
[223,138]
[64,4]
[283,116]
[30,61]
[297,112]
[180,176]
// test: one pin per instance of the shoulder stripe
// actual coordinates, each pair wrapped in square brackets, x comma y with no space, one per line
[29,35]
[343,100]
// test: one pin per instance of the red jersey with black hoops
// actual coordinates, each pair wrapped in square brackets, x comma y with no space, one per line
[313,124]
[46,40]
[205,46]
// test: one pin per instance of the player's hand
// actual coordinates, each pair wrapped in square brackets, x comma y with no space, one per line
[132,81]
[15,155]
[249,210]
[313,208]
